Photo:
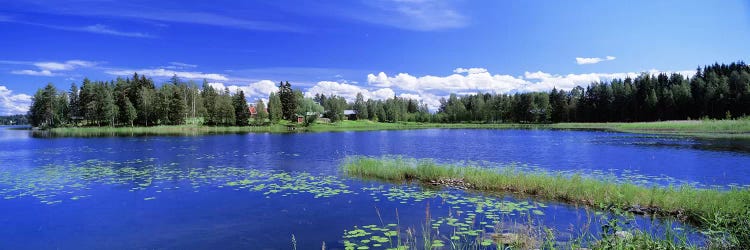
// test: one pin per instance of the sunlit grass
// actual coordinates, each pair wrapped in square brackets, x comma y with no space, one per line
[161,130]
[721,210]
[739,128]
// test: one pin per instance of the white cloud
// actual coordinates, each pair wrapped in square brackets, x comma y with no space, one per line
[67,65]
[348,91]
[170,73]
[255,90]
[430,89]
[593,60]
[103,29]
[412,14]
[11,104]
[475,79]
[182,65]
[96,28]
[381,94]
[32,72]
[48,68]
[410,96]
[469,70]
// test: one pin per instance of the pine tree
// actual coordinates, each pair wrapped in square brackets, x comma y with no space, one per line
[288,100]
[176,112]
[210,96]
[241,111]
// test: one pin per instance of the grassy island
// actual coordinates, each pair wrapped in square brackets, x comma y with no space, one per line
[721,212]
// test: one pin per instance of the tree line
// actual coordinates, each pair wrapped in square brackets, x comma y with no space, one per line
[14,120]
[137,101]
[715,91]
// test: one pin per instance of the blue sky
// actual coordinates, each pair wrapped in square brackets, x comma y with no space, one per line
[413,48]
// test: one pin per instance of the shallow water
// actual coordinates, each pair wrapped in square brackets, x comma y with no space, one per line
[254,191]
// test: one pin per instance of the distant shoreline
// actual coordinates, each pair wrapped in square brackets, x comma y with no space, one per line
[728,129]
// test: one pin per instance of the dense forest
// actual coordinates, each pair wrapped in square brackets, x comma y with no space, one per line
[136,101]
[14,120]
[715,91]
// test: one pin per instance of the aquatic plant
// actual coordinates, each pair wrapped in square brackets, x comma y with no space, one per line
[53,184]
[685,202]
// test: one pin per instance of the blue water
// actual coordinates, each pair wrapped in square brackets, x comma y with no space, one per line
[179,203]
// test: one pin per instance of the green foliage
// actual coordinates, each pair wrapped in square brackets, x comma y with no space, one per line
[288,101]
[129,112]
[43,107]
[241,110]
[729,206]
[308,109]
[274,108]
[361,107]
[14,120]
[210,96]
[224,109]
[333,106]
[177,107]
[714,92]
[260,107]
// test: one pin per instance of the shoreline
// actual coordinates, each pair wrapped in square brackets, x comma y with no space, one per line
[703,129]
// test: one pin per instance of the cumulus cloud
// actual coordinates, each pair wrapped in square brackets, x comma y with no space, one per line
[348,91]
[474,79]
[48,68]
[11,104]
[255,90]
[429,89]
[161,72]
[593,60]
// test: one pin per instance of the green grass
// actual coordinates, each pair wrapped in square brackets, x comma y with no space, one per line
[161,130]
[721,211]
[739,129]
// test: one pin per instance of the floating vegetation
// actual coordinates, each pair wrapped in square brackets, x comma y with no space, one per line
[53,184]
[721,213]
[372,236]
[492,207]
[471,219]
[457,230]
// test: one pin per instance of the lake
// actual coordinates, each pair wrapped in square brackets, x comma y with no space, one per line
[274,191]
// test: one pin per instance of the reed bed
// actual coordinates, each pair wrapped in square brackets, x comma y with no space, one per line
[723,213]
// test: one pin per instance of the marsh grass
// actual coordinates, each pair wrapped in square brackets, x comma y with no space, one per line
[528,233]
[723,212]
